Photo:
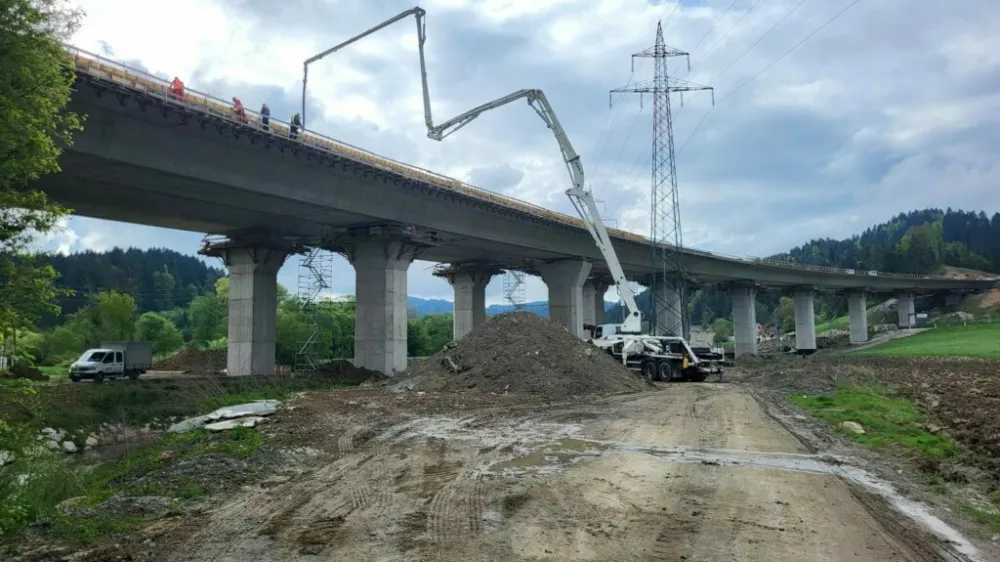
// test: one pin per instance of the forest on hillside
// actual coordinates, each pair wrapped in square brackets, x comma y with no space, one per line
[922,242]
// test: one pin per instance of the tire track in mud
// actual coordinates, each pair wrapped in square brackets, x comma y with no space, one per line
[456,511]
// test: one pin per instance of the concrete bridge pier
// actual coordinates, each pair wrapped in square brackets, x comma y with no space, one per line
[805,318]
[253,303]
[380,268]
[469,282]
[601,286]
[565,280]
[906,307]
[858,311]
[744,297]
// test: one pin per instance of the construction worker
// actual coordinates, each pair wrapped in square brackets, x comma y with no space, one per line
[177,89]
[241,113]
[295,124]
[265,116]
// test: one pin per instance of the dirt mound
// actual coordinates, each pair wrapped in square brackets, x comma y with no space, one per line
[522,353]
[346,372]
[26,372]
[190,360]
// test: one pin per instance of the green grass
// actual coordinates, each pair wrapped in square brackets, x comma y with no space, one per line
[839,323]
[53,481]
[887,420]
[974,340]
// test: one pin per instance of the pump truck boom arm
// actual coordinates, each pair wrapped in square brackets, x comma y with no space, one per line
[579,195]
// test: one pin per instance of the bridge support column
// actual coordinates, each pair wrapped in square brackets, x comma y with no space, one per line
[905,305]
[469,282]
[380,268]
[858,310]
[564,280]
[669,309]
[589,302]
[600,288]
[253,307]
[744,298]
[805,319]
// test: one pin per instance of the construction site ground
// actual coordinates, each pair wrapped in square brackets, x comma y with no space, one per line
[707,471]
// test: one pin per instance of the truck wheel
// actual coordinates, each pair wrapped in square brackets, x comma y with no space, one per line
[666,370]
[133,375]
[649,370]
[99,377]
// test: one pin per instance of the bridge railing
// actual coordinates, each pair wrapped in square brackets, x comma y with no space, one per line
[192,100]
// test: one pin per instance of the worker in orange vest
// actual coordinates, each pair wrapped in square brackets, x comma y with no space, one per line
[177,89]
[241,113]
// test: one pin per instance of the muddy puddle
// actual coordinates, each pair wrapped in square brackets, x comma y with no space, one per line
[558,455]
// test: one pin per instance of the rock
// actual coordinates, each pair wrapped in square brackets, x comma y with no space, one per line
[48,431]
[6,457]
[250,421]
[71,502]
[253,409]
[853,427]
[53,445]
[91,442]
[69,446]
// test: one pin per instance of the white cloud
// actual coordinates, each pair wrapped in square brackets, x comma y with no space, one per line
[890,107]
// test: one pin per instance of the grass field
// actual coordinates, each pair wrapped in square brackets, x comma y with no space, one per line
[974,340]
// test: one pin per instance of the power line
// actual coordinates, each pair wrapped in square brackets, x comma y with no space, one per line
[765,69]
[789,51]
[731,29]
[757,42]
[717,20]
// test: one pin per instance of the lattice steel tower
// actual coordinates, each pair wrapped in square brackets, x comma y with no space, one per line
[669,305]
[513,290]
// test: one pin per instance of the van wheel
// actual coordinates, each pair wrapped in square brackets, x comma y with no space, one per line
[649,370]
[666,370]
[99,377]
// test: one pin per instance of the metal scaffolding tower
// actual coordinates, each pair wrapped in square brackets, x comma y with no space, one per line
[315,273]
[513,290]
[666,267]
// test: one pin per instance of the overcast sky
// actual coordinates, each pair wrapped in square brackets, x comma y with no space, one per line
[892,106]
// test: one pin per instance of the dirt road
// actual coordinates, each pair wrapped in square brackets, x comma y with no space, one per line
[693,472]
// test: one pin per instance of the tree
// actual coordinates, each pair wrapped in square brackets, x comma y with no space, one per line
[35,86]
[723,329]
[27,291]
[158,329]
[163,289]
[114,313]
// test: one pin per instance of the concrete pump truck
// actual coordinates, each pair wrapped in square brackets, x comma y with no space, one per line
[659,358]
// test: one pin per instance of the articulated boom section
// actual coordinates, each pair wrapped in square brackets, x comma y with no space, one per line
[578,194]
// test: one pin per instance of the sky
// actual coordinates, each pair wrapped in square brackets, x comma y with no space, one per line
[820,127]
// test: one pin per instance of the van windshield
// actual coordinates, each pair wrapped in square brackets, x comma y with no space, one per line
[94,356]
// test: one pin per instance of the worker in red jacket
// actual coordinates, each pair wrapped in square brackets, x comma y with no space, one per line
[177,89]
[241,113]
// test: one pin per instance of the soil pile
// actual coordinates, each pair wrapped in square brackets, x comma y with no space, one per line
[346,372]
[26,372]
[522,353]
[190,360]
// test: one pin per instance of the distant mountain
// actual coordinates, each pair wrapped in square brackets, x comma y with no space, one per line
[426,307]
